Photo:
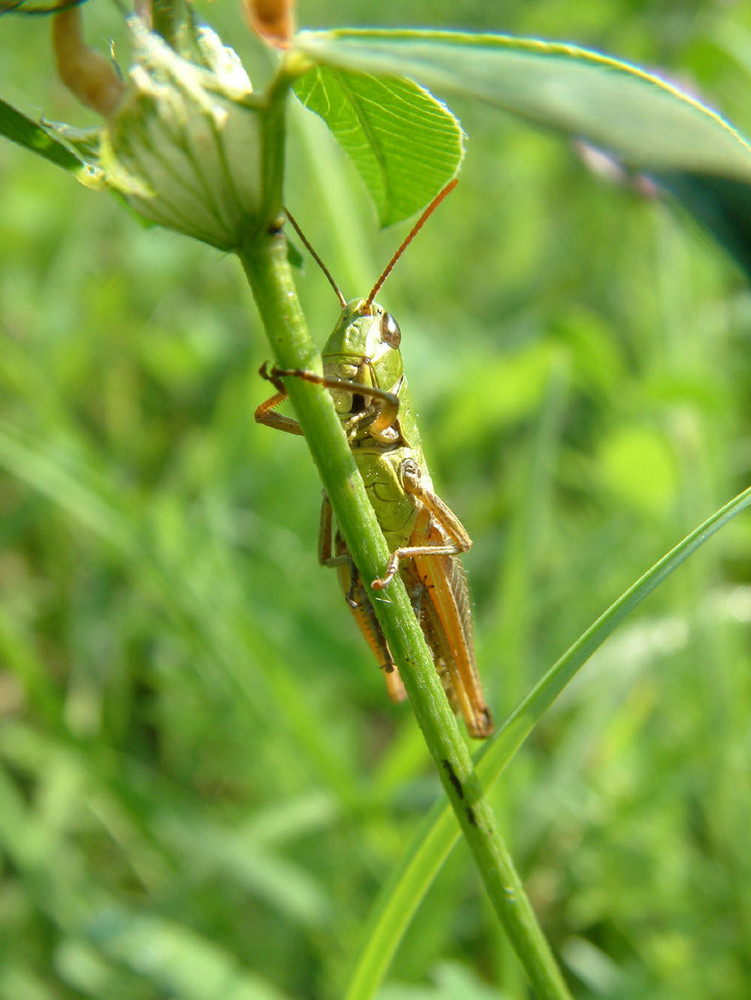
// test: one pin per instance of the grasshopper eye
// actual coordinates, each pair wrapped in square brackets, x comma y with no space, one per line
[390,330]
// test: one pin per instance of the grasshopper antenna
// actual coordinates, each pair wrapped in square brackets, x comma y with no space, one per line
[315,257]
[407,240]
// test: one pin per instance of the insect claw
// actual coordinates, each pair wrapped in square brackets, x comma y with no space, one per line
[391,568]
[271,374]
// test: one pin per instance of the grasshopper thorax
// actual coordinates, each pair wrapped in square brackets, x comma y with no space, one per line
[364,347]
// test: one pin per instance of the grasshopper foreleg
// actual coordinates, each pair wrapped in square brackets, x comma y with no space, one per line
[381,423]
[266,413]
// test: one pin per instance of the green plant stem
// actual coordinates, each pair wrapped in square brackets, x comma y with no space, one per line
[264,258]
[437,835]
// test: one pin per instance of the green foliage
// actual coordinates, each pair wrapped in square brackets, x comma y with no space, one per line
[646,122]
[18,128]
[435,839]
[203,784]
[405,144]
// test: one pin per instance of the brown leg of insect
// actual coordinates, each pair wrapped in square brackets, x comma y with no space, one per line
[265,412]
[357,599]
[325,535]
[381,428]
[458,540]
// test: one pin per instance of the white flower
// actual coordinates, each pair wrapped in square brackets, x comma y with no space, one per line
[184,147]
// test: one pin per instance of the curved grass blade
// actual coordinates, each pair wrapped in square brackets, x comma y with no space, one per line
[431,845]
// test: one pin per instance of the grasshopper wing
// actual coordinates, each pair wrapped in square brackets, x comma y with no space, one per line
[440,585]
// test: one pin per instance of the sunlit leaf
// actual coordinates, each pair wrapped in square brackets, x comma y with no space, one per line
[651,125]
[404,143]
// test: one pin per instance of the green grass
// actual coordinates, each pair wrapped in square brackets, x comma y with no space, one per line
[202,783]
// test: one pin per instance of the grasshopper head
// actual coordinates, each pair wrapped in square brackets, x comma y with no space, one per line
[363,348]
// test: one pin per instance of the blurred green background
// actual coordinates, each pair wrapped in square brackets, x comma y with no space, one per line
[202,782]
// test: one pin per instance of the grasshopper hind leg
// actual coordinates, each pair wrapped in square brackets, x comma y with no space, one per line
[337,556]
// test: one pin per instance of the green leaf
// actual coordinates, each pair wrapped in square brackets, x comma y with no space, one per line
[24,132]
[404,143]
[648,123]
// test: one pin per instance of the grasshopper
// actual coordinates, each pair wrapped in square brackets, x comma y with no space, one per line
[363,370]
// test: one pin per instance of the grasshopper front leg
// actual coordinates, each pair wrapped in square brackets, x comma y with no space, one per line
[381,422]
[265,413]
